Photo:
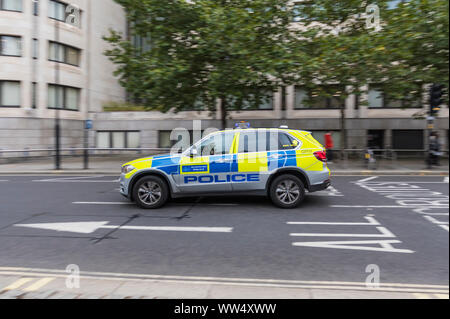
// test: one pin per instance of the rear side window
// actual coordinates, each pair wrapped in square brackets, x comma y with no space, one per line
[262,141]
[287,142]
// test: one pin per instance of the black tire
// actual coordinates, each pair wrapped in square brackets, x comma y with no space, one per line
[291,187]
[150,192]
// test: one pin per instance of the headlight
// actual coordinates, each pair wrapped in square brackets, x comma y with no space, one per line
[127,168]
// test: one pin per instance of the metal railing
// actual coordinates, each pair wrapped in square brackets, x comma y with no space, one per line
[347,158]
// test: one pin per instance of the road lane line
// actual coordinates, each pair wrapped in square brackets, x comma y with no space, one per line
[38,284]
[422,296]
[174,228]
[366,179]
[17,284]
[434,220]
[390,206]
[172,204]
[445,227]
[383,230]
[441,296]
[372,222]
[103,203]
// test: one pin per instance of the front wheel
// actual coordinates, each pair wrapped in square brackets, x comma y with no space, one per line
[287,191]
[150,192]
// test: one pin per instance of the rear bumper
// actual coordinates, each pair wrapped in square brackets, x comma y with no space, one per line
[319,187]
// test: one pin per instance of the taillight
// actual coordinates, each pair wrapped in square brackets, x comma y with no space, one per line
[321,156]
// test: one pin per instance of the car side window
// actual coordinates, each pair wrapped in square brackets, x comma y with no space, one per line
[218,144]
[286,142]
[261,141]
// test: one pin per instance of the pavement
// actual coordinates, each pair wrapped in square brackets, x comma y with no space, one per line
[111,165]
[365,237]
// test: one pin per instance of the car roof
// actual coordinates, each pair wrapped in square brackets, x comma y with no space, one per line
[266,129]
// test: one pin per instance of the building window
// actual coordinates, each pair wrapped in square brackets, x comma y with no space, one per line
[407,139]
[11,5]
[63,97]
[301,95]
[185,137]
[35,7]
[118,139]
[375,139]
[324,97]
[10,45]
[266,103]
[33,95]
[58,10]
[35,49]
[377,98]
[62,53]
[9,94]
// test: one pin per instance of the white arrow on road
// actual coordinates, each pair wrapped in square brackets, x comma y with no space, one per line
[90,227]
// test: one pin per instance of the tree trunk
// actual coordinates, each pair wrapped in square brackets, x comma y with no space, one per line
[223,113]
[343,131]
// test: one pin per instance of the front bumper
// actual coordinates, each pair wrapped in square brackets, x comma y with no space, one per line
[124,182]
[320,187]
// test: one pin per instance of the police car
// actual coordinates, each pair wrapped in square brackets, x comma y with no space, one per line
[281,163]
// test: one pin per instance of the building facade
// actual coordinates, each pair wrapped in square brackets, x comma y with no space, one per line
[54,67]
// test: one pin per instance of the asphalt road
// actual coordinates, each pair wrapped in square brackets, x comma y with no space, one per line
[396,224]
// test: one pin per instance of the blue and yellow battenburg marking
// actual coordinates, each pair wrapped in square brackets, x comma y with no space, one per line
[235,178]
[238,163]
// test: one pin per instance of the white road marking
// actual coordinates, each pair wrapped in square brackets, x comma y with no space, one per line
[410,196]
[385,245]
[3,180]
[435,221]
[391,206]
[445,180]
[103,203]
[20,271]
[90,227]
[81,179]
[175,204]
[424,211]
[384,232]
[366,179]
[372,221]
[330,191]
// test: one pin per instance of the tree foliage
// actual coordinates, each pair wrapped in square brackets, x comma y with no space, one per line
[238,51]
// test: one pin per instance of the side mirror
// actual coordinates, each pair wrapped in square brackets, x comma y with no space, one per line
[193,152]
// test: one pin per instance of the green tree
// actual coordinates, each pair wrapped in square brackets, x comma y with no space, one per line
[409,49]
[204,52]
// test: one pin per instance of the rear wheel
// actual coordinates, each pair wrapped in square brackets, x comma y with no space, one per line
[287,191]
[150,192]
